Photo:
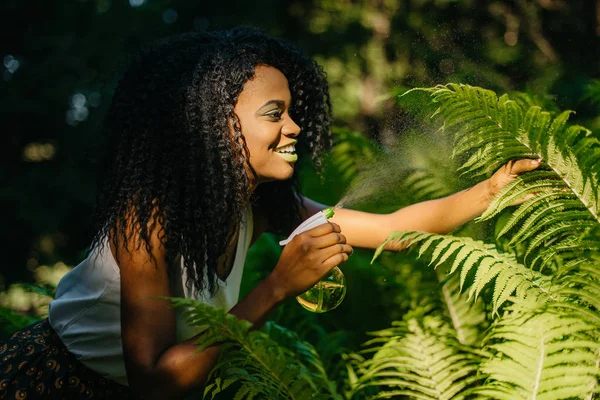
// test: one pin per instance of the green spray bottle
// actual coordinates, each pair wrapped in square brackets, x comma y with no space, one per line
[329,292]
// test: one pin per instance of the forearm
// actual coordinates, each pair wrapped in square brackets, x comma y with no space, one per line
[445,214]
[368,230]
[182,368]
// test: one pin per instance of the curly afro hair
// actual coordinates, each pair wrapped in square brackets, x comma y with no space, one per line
[173,157]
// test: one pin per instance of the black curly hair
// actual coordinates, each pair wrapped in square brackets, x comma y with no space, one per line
[172,156]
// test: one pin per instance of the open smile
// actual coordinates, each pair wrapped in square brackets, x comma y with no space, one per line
[287,152]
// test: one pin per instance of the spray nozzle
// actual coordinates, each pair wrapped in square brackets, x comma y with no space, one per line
[328,212]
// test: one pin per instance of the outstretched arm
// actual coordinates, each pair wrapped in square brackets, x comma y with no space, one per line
[443,215]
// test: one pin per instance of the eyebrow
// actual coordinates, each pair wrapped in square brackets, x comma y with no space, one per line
[279,103]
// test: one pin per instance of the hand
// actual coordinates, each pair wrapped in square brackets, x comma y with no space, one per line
[308,258]
[508,173]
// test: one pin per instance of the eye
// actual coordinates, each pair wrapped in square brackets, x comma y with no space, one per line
[276,114]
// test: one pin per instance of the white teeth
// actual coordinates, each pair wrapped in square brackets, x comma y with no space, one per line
[286,149]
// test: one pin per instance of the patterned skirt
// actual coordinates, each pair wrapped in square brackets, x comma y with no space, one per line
[35,364]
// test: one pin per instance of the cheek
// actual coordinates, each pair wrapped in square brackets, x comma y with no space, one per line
[256,146]
[259,140]
[259,151]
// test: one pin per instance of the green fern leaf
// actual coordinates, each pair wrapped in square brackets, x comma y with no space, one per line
[423,185]
[469,263]
[537,356]
[549,217]
[481,117]
[419,360]
[492,130]
[286,367]
[535,208]
[466,319]
[528,100]
[556,232]
[518,189]
[489,262]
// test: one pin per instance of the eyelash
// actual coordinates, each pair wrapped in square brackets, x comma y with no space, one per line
[275,115]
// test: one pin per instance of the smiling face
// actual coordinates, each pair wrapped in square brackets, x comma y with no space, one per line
[263,111]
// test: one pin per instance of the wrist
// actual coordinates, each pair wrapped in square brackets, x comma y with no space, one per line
[272,288]
[488,192]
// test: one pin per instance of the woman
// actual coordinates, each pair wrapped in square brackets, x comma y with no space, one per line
[205,130]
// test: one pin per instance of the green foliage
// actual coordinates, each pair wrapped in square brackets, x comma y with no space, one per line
[366,47]
[429,354]
[420,358]
[25,303]
[468,319]
[518,319]
[491,266]
[349,150]
[273,364]
[541,355]
[592,93]
[422,184]
[543,341]
[527,325]
[11,321]
[491,130]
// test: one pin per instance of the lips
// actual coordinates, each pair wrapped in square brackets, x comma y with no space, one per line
[287,152]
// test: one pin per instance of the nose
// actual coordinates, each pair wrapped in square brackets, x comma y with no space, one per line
[290,129]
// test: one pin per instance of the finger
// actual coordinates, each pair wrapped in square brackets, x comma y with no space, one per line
[521,166]
[528,197]
[524,199]
[324,229]
[339,248]
[335,260]
[330,239]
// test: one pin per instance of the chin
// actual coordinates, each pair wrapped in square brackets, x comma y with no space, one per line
[290,173]
[280,176]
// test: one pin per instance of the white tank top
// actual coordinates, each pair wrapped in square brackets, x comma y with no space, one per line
[86,312]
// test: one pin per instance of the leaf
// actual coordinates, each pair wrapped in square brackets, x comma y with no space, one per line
[488,262]
[419,360]
[539,355]
[493,130]
[286,367]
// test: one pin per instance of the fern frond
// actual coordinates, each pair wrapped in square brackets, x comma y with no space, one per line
[567,248]
[419,358]
[508,275]
[305,352]
[491,130]
[481,117]
[289,371]
[527,100]
[423,185]
[579,286]
[466,319]
[348,148]
[534,209]
[542,355]
[558,231]
[539,181]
